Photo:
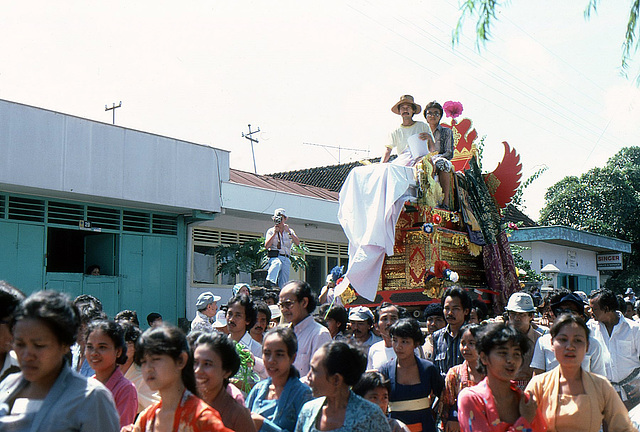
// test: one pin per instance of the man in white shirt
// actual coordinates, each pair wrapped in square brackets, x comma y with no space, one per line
[206,308]
[620,340]
[278,241]
[297,302]
[381,352]
[406,108]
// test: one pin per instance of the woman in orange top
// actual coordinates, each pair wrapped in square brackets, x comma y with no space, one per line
[167,367]
[571,398]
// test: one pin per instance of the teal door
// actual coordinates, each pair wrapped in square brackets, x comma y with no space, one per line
[100,249]
[148,267]
[22,255]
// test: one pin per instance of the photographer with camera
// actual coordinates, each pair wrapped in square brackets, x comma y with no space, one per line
[278,242]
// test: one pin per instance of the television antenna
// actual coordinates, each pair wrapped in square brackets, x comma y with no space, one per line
[339,148]
[253,140]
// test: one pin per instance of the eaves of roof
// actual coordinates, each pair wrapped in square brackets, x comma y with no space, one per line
[281,185]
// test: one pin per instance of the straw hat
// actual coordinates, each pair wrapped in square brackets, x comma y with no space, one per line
[406,99]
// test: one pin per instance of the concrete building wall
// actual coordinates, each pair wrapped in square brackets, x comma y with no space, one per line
[568,259]
[76,158]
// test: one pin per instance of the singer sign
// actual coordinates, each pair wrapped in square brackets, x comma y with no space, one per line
[609,261]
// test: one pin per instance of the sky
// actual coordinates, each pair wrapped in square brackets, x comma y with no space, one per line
[313,76]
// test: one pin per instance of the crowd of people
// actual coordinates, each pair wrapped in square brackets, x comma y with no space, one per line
[563,363]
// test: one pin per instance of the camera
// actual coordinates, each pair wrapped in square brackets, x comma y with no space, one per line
[277,219]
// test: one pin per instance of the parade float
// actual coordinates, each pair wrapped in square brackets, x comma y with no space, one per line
[436,248]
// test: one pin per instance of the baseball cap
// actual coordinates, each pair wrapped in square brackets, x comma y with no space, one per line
[361,313]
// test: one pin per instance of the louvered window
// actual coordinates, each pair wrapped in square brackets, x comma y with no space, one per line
[64,213]
[3,200]
[163,224]
[104,218]
[26,209]
[136,221]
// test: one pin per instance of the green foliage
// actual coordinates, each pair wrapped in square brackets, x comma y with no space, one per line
[521,263]
[236,258]
[604,201]
[480,147]
[298,253]
[485,11]
[251,256]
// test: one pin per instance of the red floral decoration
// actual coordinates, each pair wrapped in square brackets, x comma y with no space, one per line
[452,109]
[437,219]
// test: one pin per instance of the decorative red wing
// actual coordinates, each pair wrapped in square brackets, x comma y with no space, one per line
[505,179]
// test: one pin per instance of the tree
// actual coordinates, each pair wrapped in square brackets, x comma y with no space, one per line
[603,201]
[485,11]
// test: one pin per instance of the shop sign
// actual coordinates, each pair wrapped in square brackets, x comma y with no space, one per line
[609,261]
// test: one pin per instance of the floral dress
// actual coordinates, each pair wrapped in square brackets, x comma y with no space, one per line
[457,378]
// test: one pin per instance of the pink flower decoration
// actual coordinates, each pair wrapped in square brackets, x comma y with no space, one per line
[452,109]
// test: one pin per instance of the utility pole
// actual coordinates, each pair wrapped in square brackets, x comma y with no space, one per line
[339,149]
[113,108]
[253,140]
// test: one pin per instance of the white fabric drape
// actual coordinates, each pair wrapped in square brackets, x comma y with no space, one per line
[371,200]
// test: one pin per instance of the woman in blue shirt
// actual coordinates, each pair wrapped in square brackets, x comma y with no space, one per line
[47,395]
[276,402]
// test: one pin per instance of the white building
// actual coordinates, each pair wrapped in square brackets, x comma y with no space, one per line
[572,251]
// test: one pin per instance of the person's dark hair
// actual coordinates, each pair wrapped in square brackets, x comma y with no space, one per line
[371,380]
[339,314]
[115,333]
[127,315]
[433,309]
[465,300]
[152,317]
[167,340]
[192,337]
[249,309]
[494,335]
[568,319]
[224,347]
[346,360]
[290,340]
[55,310]
[435,105]
[89,312]
[10,298]
[383,305]
[91,268]
[481,309]
[407,328]
[271,295]
[605,299]
[83,299]
[264,308]
[131,331]
[302,290]
[474,329]
[621,305]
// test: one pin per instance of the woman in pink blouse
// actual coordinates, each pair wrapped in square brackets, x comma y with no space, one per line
[105,349]
[496,404]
